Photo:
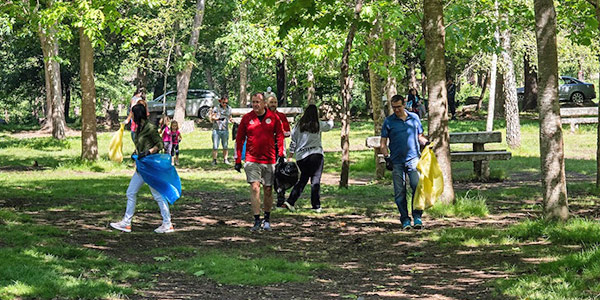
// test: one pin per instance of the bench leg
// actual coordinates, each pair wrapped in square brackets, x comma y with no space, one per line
[482,169]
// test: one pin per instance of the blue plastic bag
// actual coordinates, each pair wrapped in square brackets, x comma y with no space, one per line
[157,172]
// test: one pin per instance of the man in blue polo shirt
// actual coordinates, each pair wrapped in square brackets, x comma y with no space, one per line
[405,134]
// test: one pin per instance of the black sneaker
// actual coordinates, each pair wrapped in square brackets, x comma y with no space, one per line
[256,226]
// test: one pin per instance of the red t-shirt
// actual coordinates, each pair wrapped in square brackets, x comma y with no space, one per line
[261,135]
[286,125]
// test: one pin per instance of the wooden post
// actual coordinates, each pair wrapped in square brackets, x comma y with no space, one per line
[481,168]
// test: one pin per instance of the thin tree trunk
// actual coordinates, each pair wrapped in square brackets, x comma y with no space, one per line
[554,188]
[89,141]
[243,83]
[434,33]
[486,81]
[183,77]
[511,106]
[67,92]
[597,10]
[489,126]
[376,95]
[310,95]
[390,84]
[346,84]
[47,125]
[531,88]
[412,74]
[366,79]
[141,80]
[499,98]
[281,83]
[210,82]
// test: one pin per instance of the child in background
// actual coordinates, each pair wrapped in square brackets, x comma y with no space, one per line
[175,139]
[163,130]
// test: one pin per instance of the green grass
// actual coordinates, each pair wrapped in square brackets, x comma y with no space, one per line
[227,268]
[465,206]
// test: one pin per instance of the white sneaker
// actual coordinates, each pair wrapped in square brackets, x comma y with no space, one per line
[121,226]
[317,210]
[289,206]
[164,228]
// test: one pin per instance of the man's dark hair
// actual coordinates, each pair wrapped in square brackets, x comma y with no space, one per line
[310,120]
[397,98]
[260,95]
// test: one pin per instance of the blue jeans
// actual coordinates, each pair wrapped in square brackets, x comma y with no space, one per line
[399,177]
[221,136]
[134,186]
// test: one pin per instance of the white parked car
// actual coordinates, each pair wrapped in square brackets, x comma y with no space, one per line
[198,104]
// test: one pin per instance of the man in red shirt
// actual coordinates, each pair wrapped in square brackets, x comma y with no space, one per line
[272,105]
[261,128]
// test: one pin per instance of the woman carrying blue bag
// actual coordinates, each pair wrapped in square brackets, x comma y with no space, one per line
[147,141]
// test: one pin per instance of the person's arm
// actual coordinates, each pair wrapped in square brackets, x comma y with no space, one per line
[240,138]
[179,137]
[326,125]
[129,117]
[213,115]
[423,141]
[279,136]
[383,147]
[293,142]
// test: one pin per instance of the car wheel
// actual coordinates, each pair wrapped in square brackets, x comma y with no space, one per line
[203,112]
[577,98]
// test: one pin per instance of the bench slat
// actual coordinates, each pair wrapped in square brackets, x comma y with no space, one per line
[592,120]
[475,137]
[578,111]
[479,156]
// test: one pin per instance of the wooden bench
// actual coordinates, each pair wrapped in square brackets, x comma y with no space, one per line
[578,115]
[290,112]
[479,156]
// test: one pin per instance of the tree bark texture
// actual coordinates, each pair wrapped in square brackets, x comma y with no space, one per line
[281,83]
[89,141]
[391,82]
[499,98]
[67,93]
[597,10]
[366,79]
[346,84]
[310,95]
[183,77]
[554,188]
[489,125]
[210,82]
[243,83]
[531,88]
[484,85]
[511,105]
[376,95]
[55,116]
[434,33]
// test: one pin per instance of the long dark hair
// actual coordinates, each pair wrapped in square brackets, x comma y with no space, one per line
[139,114]
[310,120]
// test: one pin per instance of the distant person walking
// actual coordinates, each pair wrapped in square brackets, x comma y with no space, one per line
[451,90]
[261,128]
[416,103]
[139,95]
[175,140]
[404,131]
[306,145]
[147,141]
[165,132]
[221,117]
[272,105]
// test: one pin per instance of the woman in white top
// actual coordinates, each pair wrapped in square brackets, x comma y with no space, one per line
[306,145]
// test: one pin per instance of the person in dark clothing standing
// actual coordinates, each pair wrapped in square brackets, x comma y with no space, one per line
[306,145]
[451,89]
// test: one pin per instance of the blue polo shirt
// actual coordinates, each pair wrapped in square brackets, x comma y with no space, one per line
[403,137]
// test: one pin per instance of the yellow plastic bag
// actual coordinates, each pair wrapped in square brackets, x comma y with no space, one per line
[431,181]
[115,150]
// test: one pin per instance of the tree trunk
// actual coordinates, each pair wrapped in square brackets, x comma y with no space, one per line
[281,83]
[489,125]
[531,88]
[55,110]
[89,141]
[499,105]
[376,95]
[390,84]
[554,188]
[434,33]
[243,83]
[366,79]
[346,84]
[141,80]
[67,92]
[484,86]
[210,82]
[511,105]
[597,9]
[412,74]
[47,125]
[183,77]
[310,95]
